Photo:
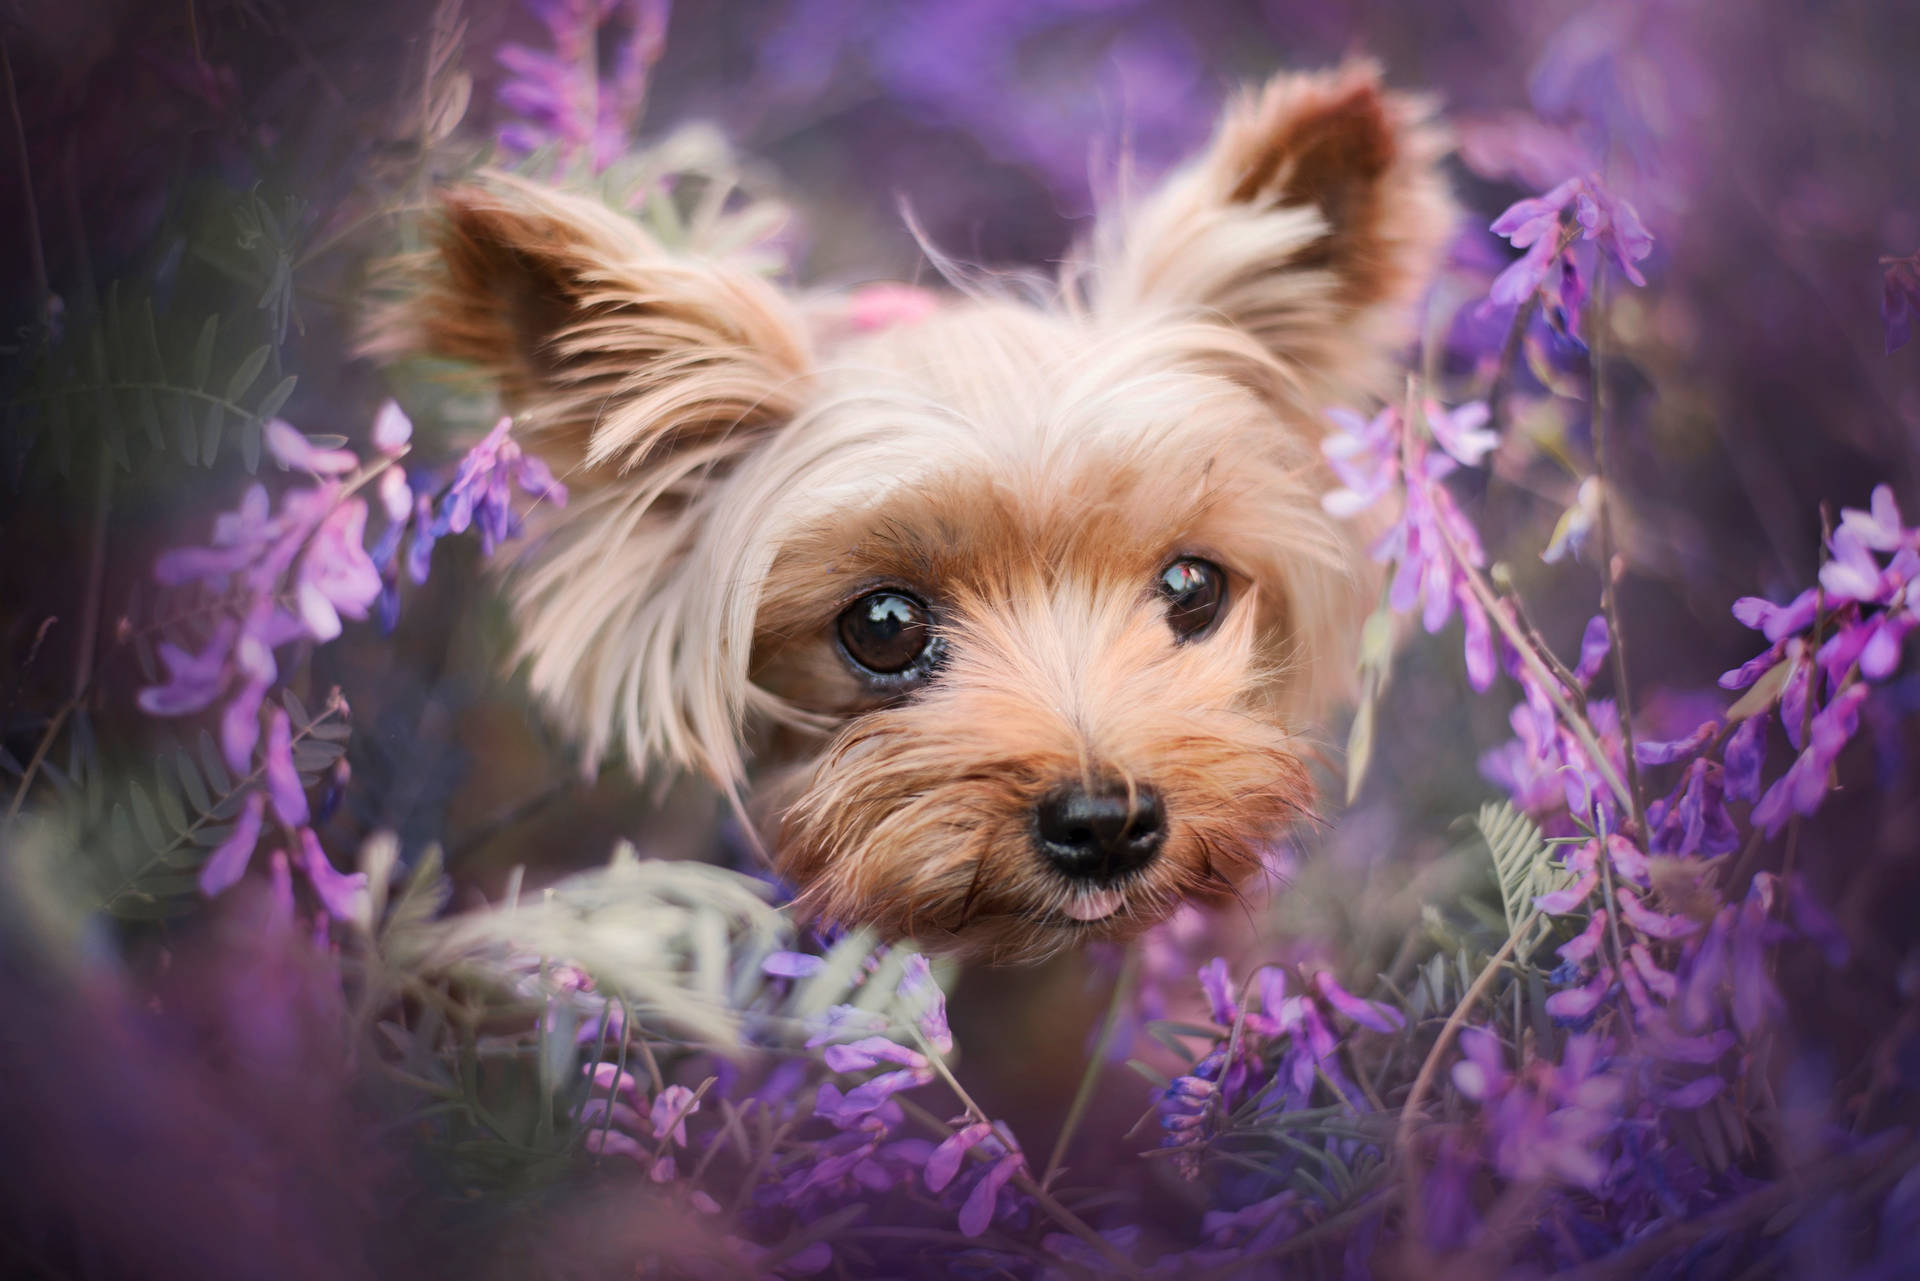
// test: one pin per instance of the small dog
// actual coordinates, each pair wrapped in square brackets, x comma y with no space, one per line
[1020,613]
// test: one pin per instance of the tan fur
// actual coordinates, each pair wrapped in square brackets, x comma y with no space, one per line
[744,474]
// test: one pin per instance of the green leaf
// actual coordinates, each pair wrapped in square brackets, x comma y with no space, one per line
[274,399]
[1360,741]
[147,409]
[250,445]
[191,780]
[249,370]
[210,433]
[146,818]
[169,802]
[186,432]
[214,764]
[296,710]
[202,364]
[1523,867]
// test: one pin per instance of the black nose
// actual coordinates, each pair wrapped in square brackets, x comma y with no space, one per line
[1099,835]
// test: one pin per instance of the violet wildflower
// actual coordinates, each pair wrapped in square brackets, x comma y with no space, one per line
[1899,299]
[228,862]
[283,781]
[293,451]
[194,680]
[1533,224]
[344,895]
[584,96]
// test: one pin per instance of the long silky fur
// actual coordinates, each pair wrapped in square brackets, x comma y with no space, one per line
[747,464]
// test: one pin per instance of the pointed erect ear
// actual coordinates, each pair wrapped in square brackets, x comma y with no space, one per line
[607,347]
[1311,223]
[641,376]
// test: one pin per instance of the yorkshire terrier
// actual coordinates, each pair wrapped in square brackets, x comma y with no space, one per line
[1009,623]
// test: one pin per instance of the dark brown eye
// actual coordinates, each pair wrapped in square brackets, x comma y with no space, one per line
[1196,594]
[888,633]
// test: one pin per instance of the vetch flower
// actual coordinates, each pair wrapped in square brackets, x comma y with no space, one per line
[283,780]
[193,680]
[392,429]
[228,862]
[293,451]
[1899,299]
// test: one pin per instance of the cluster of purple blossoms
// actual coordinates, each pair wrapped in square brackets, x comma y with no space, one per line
[479,497]
[1280,1054]
[584,95]
[1826,649]
[271,579]
[1899,298]
[839,1103]
[1539,225]
[1432,545]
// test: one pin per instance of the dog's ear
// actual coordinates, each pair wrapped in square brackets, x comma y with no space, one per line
[1310,224]
[641,376]
[607,348]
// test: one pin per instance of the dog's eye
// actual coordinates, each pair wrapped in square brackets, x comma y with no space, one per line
[1196,593]
[888,633]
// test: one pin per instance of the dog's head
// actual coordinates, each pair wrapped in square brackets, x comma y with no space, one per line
[1019,611]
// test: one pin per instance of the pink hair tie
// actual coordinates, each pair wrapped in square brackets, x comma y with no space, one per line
[883,305]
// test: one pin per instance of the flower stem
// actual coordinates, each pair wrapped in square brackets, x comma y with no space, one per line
[1609,601]
[1430,1068]
[1569,715]
[1122,988]
[1024,1180]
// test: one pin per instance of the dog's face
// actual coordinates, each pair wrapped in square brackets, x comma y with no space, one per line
[1010,622]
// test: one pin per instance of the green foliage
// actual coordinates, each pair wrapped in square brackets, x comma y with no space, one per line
[1524,869]
[483,1013]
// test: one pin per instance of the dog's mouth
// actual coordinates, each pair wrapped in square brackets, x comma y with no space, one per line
[1089,906]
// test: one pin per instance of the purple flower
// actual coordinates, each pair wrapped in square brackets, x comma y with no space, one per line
[870,1052]
[1462,432]
[670,1112]
[1853,574]
[1365,454]
[1615,226]
[283,780]
[392,429]
[1743,758]
[1777,621]
[1582,946]
[425,533]
[336,575]
[1595,643]
[193,680]
[1217,983]
[1654,753]
[977,1214]
[1879,526]
[1801,789]
[792,965]
[1371,1014]
[585,96]
[944,1164]
[917,985]
[1899,298]
[1575,1006]
[1482,1073]
[228,862]
[1610,222]
[295,452]
[344,895]
[481,492]
[1694,819]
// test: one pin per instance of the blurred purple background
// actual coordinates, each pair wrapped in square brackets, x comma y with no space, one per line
[1768,146]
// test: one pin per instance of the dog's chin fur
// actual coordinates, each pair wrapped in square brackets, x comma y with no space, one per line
[747,466]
